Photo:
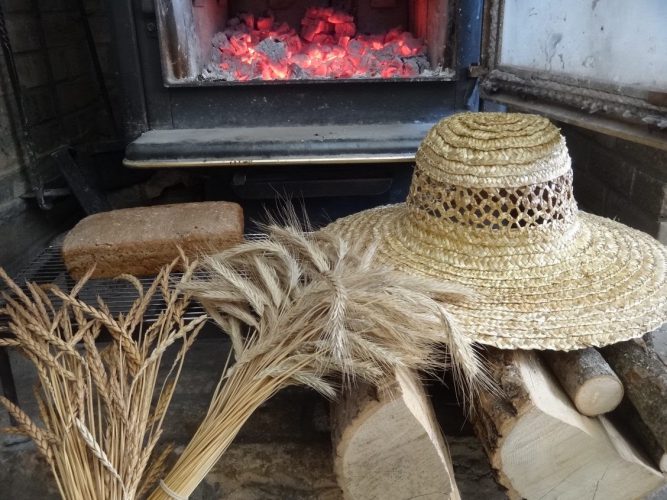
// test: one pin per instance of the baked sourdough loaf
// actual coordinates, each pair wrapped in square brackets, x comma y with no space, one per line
[139,241]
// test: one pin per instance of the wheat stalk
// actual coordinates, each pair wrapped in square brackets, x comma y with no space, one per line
[97,450]
[27,426]
[310,309]
[100,419]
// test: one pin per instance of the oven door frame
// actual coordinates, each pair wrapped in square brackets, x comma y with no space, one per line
[621,111]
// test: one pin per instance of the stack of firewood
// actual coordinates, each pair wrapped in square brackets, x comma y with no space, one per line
[580,424]
[577,424]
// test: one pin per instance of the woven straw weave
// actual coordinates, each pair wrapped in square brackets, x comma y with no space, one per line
[547,275]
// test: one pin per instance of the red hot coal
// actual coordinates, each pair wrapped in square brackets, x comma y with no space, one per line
[327,46]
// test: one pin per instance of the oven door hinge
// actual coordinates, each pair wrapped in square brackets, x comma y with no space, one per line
[477,71]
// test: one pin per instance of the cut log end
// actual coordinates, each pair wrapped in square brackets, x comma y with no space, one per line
[388,444]
[598,395]
[587,379]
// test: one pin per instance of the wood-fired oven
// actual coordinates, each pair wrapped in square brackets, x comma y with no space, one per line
[266,82]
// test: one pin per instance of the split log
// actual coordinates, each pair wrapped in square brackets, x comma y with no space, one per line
[388,444]
[644,377]
[586,377]
[542,447]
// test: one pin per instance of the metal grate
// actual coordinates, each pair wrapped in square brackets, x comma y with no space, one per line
[118,295]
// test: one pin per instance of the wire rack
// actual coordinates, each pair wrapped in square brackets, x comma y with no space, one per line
[48,268]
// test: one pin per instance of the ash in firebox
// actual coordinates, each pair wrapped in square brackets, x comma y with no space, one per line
[327,46]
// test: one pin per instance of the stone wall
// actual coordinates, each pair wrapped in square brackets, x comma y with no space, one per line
[620,180]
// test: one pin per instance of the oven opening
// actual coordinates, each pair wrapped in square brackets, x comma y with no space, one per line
[209,42]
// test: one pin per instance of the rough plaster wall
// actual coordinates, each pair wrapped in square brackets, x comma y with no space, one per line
[616,41]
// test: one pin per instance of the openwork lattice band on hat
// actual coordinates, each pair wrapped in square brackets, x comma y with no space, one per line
[491,206]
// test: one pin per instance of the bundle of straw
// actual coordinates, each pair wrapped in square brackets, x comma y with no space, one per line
[100,412]
[304,308]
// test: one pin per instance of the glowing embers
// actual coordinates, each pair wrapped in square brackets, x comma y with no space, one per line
[328,46]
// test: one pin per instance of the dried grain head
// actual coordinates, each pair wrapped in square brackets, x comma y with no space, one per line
[322,307]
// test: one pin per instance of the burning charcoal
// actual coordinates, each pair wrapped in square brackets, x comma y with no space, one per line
[345,29]
[320,12]
[356,48]
[221,41]
[415,44]
[390,72]
[301,60]
[393,34]
[422,62]
[370,64]
[248,19]
[337,68]
[284,29]
[294,44]
[299,73]
[272,49]
[386,54]
[239,43]
[327,47]
[323,39]
[411,67]
[338,52]
[340,17]
[309,31]
[265,23]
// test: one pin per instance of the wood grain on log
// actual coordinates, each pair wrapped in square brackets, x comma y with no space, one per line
[388,444]
[586,377]
[542,447]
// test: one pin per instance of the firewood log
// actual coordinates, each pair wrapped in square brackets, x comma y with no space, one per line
[542,447]
[587,378]
[644,377]
[627,418]
[388,444]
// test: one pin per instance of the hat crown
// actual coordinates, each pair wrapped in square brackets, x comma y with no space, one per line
[495,171]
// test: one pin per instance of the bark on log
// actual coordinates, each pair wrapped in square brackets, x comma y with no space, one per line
[388,444]
[644,377]
[542,447]
[627,418]
[587,378]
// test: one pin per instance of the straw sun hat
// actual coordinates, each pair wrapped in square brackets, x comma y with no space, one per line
[491,207]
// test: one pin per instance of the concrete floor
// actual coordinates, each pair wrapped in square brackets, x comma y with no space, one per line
[283,452]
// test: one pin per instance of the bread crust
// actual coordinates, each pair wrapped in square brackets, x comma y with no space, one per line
[139,241]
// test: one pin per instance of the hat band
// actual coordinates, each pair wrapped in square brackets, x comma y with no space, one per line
[544,206]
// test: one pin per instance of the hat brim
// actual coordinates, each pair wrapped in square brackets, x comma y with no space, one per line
[611,287]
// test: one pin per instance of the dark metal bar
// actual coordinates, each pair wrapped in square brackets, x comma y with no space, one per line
[133,103]
[468,50]
[34,177]
[99,74]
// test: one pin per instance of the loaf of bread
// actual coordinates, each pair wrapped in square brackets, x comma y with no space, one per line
[139,241]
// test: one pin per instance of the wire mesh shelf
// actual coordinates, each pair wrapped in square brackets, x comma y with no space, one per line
[48,268]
